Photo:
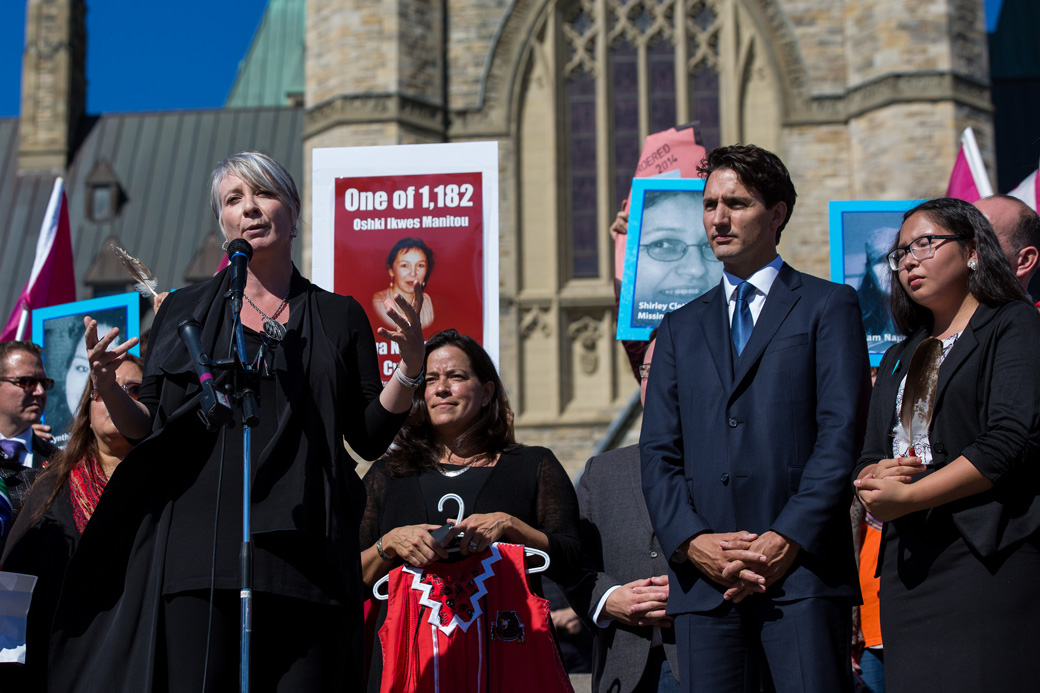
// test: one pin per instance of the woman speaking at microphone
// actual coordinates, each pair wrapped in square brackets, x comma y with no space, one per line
[152,595]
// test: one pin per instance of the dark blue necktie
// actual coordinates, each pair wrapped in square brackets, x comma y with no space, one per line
[12,449]
[742,321]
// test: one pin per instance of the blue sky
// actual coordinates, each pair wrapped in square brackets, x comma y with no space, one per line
[147,56]
[144,55]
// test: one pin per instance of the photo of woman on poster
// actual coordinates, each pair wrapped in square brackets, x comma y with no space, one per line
[675,263]
[66,355]
[410,265]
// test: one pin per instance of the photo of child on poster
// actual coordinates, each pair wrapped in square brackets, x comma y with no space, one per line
[393,232]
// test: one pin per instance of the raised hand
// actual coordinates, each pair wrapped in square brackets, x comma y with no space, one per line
[408,336]
[104,361]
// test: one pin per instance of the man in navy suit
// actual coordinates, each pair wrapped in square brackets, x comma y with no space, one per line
[754,418]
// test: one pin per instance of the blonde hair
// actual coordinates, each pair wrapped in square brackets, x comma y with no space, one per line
[262,173]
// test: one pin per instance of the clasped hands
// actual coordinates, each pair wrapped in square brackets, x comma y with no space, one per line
[416,546]
[743,562]
[885,490]
[640,602]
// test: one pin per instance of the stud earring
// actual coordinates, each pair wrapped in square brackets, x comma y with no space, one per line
[973,264]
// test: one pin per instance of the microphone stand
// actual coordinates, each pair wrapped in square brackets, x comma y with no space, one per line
[244,382]
[245,379]
[246,395]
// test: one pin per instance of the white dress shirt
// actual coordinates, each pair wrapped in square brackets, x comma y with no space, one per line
[762,280]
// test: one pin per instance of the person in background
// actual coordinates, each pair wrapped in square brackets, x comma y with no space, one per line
[623,593]
[959,499]
[754,416]
[58,508]
[23,397]
[1018,229]
[459,439]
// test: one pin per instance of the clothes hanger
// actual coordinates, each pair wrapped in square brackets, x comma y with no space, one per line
[382,596]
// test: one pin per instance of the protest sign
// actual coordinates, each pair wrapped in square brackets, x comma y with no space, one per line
[392,220]
[668,261]
[861,234]
[59,330]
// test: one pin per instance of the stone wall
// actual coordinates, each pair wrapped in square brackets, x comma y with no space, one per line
[862,99]
[54,83]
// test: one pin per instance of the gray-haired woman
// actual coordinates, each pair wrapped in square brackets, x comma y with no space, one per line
[165,613]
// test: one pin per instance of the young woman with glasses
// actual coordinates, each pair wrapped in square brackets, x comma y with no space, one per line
[959,497]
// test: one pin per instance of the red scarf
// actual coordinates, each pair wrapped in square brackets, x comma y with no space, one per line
[86,482]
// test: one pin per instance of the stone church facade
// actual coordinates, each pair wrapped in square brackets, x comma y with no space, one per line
[862,99]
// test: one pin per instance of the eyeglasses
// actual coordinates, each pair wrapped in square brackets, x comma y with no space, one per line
[28,382]
[672,249]
[921,248]
[132,389]
[644,371]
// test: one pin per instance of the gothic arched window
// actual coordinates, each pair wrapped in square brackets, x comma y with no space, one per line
[631,68]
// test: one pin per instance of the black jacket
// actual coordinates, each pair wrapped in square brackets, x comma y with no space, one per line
[106,628]
[987,409]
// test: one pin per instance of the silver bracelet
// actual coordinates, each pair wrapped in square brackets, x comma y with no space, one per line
[411,383]
[382,554]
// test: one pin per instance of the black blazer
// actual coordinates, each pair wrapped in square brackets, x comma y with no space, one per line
[987,408]
[106,625]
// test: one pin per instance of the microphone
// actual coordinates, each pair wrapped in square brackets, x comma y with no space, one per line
[239,254]
[214,406]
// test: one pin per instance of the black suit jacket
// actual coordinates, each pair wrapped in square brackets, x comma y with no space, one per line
[618,546]
[987,409]
[763,443]
[19,479]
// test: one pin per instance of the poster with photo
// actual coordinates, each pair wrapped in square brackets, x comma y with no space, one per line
[668,261]
[861,234]
[389,220]
[59,330]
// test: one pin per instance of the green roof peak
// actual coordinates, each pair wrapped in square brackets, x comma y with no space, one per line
[272,72]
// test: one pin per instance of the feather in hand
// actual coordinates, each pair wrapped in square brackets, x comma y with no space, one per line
[144,281]
[922,380]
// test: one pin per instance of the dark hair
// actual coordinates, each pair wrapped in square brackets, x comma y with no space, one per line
[991,283]
[759,170]
[1026,231]
[409,244]
[81,443]
[416,448]
[11,346]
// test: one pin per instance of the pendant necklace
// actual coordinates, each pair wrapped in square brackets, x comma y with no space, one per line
[272,328]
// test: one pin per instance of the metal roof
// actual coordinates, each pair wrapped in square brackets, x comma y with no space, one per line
[161,163]
[272,72]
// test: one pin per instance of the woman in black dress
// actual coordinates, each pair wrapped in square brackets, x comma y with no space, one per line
[459,439]
[959,498]
[169,526]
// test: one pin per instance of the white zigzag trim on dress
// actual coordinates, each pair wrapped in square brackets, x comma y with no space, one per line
[435,606]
